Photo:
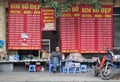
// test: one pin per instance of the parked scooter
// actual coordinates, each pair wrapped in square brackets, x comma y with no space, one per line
[105,67]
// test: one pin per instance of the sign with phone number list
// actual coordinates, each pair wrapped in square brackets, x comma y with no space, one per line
[24,26]
[92,29]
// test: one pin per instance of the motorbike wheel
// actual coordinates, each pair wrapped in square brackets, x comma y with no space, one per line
[108,74]
[96,72]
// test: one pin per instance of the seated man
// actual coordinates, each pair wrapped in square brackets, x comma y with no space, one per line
[56,56]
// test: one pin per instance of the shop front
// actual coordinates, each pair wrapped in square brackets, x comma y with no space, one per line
[30,32]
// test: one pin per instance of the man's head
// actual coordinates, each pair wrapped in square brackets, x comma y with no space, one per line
[57,49]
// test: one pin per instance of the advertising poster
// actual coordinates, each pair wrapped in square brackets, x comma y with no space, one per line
[48,19]
[86,30]
[24,30]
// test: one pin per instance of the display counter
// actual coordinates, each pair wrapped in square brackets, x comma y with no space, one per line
[8,66]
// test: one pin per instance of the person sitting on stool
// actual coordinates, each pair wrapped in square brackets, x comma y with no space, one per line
[56,56]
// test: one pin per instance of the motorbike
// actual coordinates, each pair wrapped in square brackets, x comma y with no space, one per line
[105,66]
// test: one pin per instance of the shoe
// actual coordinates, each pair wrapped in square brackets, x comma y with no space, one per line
[54,70]
[58,65]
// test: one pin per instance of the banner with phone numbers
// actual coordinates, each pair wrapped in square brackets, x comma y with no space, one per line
[86,30]
[24,29]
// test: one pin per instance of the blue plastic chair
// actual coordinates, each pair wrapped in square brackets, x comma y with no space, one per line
[32,68]
[51,66]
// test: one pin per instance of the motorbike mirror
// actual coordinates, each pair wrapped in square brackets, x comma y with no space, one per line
[111,53]
[108,51]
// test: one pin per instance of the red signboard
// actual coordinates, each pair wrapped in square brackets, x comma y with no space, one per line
[68,31]
[86,30]
[48,19]
[24,26]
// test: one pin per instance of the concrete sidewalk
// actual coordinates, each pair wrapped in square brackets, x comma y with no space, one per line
[49,77]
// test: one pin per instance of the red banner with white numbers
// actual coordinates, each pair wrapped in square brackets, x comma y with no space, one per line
[86,30]
[24,32]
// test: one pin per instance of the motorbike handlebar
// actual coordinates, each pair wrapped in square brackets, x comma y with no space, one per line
[110,52]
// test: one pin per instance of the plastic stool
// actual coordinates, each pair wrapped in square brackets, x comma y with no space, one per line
[83,68]
[68,70]
[27,65]
[37,68]
[77,69]
[69,67]
[32,68]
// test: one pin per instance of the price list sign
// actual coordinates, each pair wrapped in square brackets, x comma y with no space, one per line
[48,19]
[64,31]
[75,10]
[86,30]
[24,26]
[69,25]
[104,28]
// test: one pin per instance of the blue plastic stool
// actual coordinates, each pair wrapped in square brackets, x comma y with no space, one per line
[68,70]
[83,69]
[32,68]
[68,67]
[77,69]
